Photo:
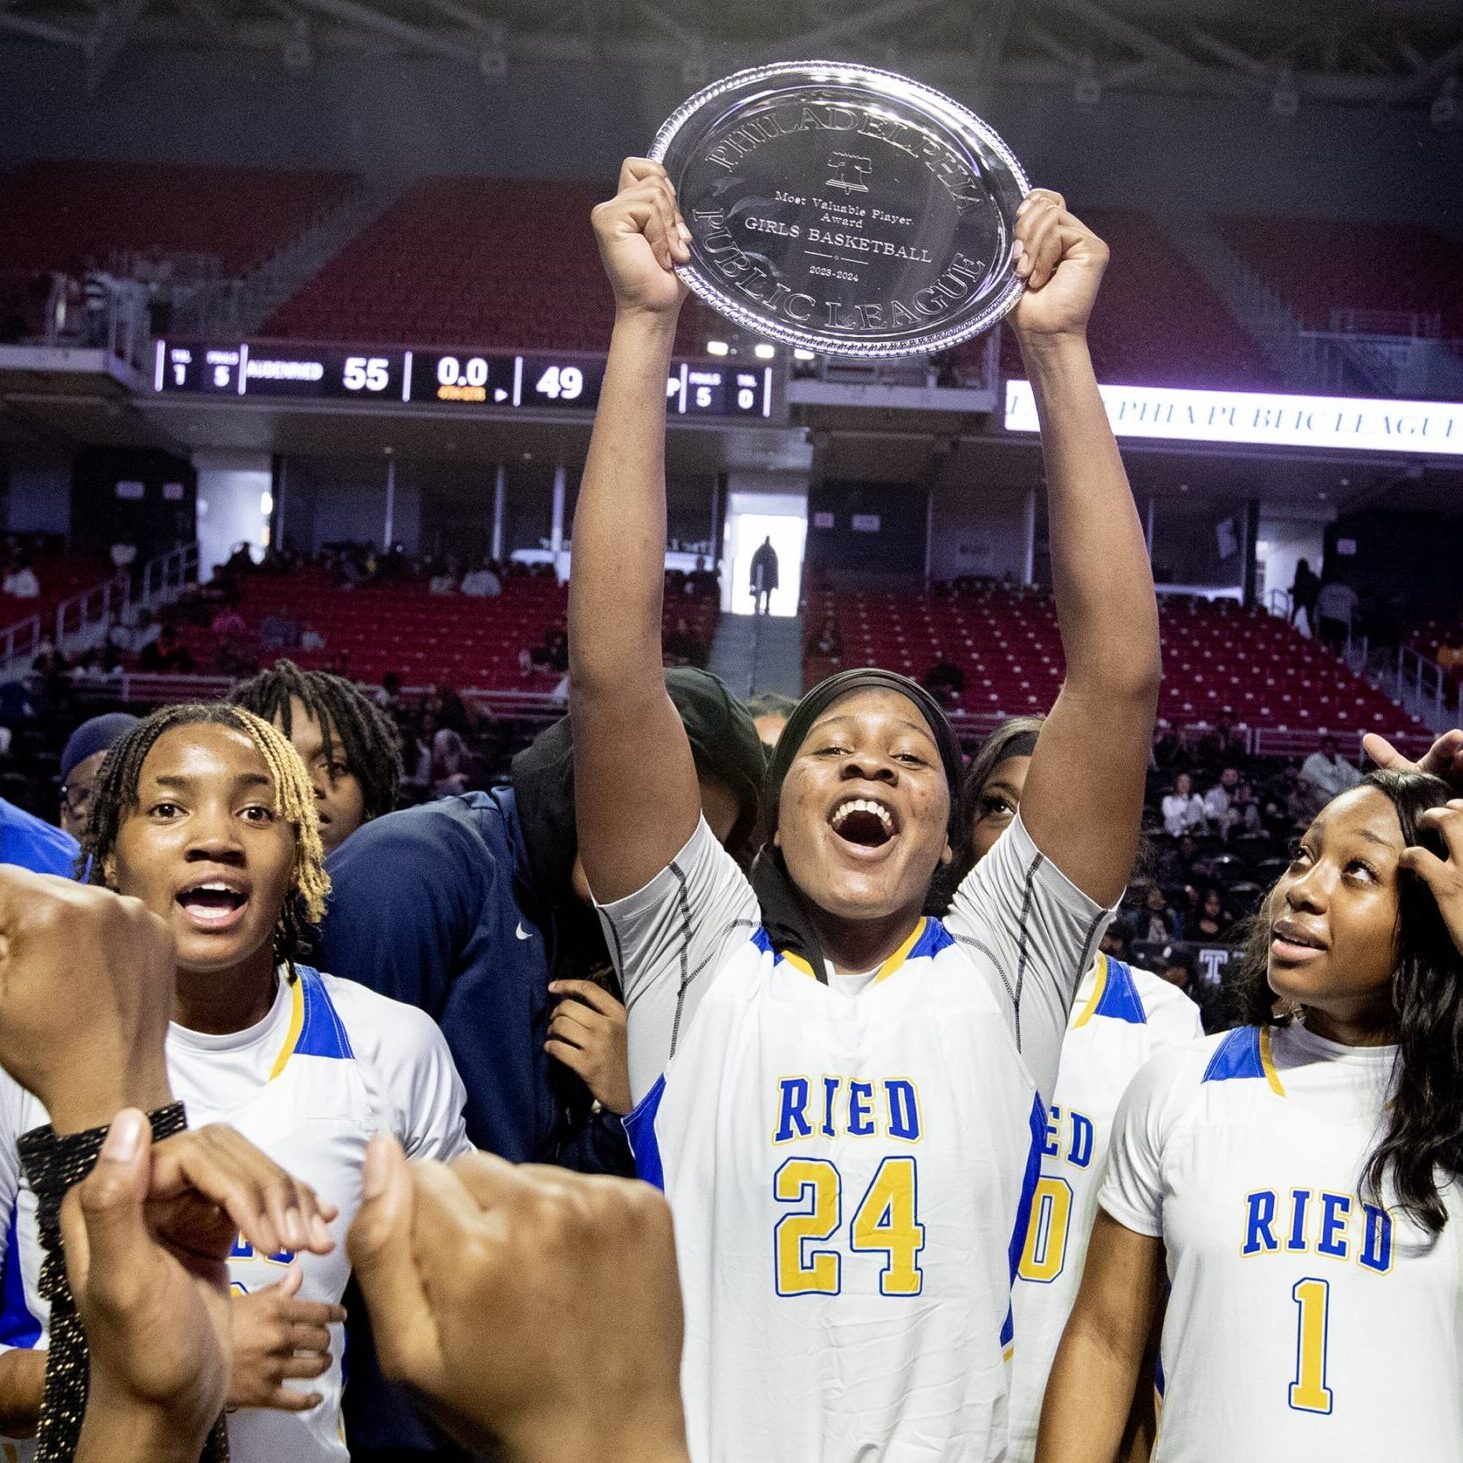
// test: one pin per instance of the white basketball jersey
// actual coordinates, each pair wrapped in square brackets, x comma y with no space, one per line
[331,1065]
[1305,1324]
[849,1172]
[1122,1015]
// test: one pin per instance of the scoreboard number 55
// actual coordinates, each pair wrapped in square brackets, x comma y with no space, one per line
[366,373]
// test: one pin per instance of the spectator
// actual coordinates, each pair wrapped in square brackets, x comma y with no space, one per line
[945,681]
[1220,799]
[227,622]
[446,579]
[827,644]
[1450,657]
[764,577]
[769,712]
[123,554]
[683,646]
[165,656]
[241,561]
[1303,591]
[20,582]
[1158,921]
[703,582]
[553,653]
[1335,605]
[81,763]
[1183,808]
[482,583]
[451,764]
[1324,775]
[134,630]
[1212,922]
[50,663]
[279,630]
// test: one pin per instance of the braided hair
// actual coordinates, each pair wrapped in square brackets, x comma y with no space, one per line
[115,796]
[351,726]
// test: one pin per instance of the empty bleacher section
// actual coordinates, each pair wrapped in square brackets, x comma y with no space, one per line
[1157,321]
[469,261]
[425,638]
[1218,659]
[57,215]
[1322,266]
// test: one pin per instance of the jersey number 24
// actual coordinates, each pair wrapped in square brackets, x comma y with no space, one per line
[886,1221]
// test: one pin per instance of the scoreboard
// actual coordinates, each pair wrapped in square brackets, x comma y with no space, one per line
[457,378]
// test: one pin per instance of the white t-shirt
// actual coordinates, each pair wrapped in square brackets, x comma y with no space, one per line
[330,1066]
[1121,1017]
[850,1172]
[1304,1323]
[1180,814]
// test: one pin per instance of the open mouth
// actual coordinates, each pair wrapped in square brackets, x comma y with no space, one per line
[863,822]
[1292,942]
[212,904]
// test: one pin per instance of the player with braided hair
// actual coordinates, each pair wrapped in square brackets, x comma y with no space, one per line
[207,815]
[347,743]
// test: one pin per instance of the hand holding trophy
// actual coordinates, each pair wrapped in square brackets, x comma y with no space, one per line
[844,209]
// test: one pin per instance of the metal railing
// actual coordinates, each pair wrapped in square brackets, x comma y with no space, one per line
[93,610]
[1419,324]
[121,330]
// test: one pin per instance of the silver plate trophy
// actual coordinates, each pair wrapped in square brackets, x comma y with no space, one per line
[843,209]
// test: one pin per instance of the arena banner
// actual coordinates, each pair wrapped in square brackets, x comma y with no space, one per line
[1267,418]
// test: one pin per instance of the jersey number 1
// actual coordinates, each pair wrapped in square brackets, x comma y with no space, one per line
[885,1222]
[1309,1392]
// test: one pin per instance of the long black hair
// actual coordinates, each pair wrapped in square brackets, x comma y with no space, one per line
[351,726]
[115,796]
[1424,1119]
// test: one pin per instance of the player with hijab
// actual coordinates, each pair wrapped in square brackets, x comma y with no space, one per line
[838,1093]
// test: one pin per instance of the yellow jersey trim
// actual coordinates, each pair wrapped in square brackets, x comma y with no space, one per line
[901,954]
[1267,1062]
[1090,1009]
[297,1022]
[885,970]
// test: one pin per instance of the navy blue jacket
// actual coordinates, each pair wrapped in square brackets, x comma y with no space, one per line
[432,906]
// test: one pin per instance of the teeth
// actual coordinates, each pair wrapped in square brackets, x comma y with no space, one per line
[863,805]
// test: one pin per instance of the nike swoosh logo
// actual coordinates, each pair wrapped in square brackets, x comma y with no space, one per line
[521,932]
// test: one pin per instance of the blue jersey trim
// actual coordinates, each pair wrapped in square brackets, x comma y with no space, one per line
[1238,1055]
[640,1130]
[1023,1209]
[321,1031]
[763,941]
[934,939]
[1120,999]
[17,1326]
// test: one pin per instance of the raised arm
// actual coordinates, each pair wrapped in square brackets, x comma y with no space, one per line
[1084,794]
[636,796]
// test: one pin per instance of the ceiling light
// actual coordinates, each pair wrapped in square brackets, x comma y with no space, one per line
[763,351]
[717,348]
[801,355]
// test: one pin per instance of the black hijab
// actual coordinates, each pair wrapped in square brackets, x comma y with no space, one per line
[784,915]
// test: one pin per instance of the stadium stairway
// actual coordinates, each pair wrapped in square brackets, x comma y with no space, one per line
[243,307]
[757,653]
[1257,307]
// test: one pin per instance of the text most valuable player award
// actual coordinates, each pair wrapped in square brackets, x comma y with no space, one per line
[844,209]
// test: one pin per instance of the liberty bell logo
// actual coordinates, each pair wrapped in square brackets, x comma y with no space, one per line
[848,169]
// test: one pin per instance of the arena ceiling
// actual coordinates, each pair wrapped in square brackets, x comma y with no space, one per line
[1357,53]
